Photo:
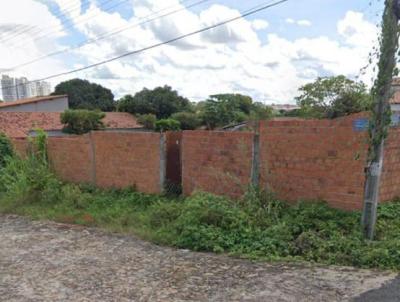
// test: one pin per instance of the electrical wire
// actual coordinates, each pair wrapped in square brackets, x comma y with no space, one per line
[40,37]
[130,53]
[107,35]
[57,15]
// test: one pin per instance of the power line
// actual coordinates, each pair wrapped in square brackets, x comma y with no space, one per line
[107,35]
[204,29]
[40,37]
[57,15]
[23,29]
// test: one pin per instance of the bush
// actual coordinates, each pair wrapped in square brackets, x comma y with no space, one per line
[6,149]
[187,120]
[148,121]
[82,121]
[167,125]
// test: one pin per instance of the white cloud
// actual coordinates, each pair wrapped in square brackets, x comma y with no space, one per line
[232,58]
[302,22]
[34,40]
[260,24]
[290,21]
[356,30]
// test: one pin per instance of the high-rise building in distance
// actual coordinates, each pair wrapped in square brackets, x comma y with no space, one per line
[20,88]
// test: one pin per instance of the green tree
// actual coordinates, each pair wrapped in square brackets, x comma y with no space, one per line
[168,124]
[82,121]
[332,97]
[85,95]
[260,111]
[240,102]
[148,121]
[225,109]
[161,101]
[187,120]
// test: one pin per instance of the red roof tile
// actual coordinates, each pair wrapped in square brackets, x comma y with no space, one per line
[31,100]
[19,124]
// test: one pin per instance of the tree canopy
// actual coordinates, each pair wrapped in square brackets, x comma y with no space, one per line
[83,94]
[161,101]
[225,109]
[331,97]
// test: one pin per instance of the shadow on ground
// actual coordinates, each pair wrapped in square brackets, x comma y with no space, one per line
[389,292]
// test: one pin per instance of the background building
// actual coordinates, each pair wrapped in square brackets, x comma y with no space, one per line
[9,93]
[20,88]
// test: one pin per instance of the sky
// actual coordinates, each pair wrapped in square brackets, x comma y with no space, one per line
[268,55]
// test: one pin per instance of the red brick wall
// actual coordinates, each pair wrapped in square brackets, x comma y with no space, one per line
[390,181]
[107,159]
[314,159]
[216,162]
[21,146]
[128,159]
[71,158]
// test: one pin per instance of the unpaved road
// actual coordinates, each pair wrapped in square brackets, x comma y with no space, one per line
[45,261]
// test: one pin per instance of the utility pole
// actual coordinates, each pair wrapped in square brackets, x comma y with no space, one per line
[380,120]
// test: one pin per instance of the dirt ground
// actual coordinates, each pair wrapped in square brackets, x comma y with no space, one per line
[46,261]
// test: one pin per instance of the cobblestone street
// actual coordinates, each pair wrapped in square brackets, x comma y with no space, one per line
[46,261]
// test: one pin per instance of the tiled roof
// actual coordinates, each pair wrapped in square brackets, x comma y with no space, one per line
[19,124]
[31,100]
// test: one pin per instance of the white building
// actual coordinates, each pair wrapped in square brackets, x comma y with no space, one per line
[20,88]
[8,88]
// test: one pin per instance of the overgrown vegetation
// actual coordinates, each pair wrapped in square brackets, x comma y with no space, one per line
[82,121]
[257,226]
[6,149]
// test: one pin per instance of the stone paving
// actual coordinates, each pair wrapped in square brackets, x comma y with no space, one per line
[46,261]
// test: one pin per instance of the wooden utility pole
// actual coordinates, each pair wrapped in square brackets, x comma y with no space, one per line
[380,121]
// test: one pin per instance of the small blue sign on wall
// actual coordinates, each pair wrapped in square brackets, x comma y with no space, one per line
[360,124]
[395,119]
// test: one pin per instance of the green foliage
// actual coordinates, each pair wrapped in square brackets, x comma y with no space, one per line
[85,95]
[256,226]
[82,121]
[227,109]
[387,68]
[147,120]
[259,111]
[167,125]
[6,149]
[161,101]
[39,143]
[333,97]
[187,120]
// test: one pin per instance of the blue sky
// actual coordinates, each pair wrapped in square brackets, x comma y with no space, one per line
[268,55]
